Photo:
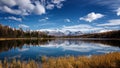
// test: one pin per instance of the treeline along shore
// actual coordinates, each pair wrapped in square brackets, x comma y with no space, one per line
[11,33]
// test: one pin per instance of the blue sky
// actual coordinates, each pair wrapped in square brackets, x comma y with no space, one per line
[74,15]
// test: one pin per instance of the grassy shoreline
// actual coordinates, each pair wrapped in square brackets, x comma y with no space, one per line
[111,60]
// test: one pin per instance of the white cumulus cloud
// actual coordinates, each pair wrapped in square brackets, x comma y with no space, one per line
[8,2]
[14,18]
[118,12]
[57,1]
[39,9]
[9,10]
[27,7]
[50,6]
[92,16]
[44,19]
[23,26]
[67,20]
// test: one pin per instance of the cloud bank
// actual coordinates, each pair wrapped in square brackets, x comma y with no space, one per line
[114,22]
[27,7]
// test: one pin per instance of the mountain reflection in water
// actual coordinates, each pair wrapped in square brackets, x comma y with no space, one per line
[34,49]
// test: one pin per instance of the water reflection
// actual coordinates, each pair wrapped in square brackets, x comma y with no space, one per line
[34,49]
[9,44]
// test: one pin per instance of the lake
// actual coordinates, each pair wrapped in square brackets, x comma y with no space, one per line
[34,49]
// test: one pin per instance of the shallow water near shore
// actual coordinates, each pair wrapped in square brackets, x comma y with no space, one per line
[34,49]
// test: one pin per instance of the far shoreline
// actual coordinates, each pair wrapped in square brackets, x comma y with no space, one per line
[3,39]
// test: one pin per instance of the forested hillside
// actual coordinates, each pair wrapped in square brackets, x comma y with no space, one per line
[7,32]
[110,34]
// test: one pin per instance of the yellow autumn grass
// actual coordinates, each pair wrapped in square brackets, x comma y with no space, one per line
[19,64]
[111,60]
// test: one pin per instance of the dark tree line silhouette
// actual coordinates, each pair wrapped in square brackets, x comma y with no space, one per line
[110,34]
[9,44]
[7,32]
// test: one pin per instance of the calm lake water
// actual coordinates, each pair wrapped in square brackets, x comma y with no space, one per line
[34,49]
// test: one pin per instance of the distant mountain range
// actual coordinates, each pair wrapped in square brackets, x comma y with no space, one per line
[80,34]
[71,33]
[64,33]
